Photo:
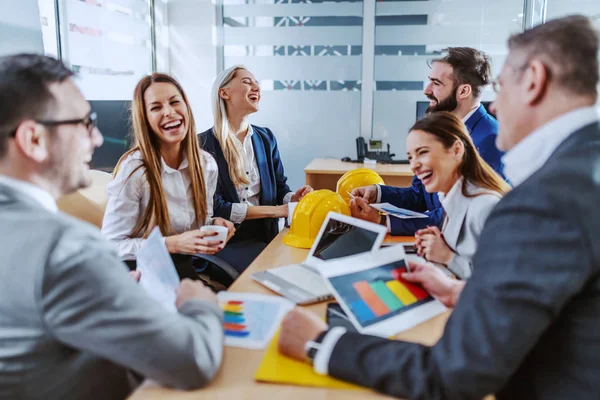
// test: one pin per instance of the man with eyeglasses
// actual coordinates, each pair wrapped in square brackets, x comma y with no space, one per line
[73,324]
[527,322]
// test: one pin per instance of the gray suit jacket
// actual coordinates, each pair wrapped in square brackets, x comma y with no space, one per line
[527,325]
[72,322]
[466,218]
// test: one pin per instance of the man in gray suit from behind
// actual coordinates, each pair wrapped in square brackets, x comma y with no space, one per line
[72,322]
[527,323]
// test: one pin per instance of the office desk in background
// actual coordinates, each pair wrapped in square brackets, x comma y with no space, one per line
[236,377]
[323,173]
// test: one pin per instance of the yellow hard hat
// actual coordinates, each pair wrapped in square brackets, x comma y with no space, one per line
[309,215]
[356,178]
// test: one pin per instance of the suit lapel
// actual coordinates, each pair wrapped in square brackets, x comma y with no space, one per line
[475,118]
[224,176]
[456,212]
[260,155]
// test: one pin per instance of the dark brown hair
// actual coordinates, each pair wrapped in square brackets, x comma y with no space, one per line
[568,47]
[24,93]
[470,66]
[448,129]
[147,142]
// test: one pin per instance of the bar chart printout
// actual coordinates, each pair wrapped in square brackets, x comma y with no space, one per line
[250,320]
[376,294]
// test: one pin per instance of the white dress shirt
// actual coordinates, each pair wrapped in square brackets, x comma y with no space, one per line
[128,198]
[248,194]
[531,153]
[31,190]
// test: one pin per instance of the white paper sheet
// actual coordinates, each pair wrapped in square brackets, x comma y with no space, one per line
[376,273]
[397,212]
[251,319]
[159,276]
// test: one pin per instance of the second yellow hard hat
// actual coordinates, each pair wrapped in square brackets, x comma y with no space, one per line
[356,178]
[309,215]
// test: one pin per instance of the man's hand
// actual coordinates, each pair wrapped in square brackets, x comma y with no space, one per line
[368,193]
[227,224]
[300,193]
[190,290]
[441,286]
[362,210]
[298,327]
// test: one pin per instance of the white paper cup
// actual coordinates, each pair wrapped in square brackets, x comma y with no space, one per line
[221,230]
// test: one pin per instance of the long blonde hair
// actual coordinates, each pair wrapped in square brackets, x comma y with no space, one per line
[448,129]
[221,129]
[156,212]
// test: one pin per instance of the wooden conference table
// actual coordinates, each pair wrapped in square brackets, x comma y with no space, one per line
[236,378]
[323,173]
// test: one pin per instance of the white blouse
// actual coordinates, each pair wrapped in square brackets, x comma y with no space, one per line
[249,194]
[128,198]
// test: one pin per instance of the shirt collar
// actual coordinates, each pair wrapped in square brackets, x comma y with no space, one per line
[466,117]
[531,153]
[447,198]
[248,135]
[29,189]
[165,168]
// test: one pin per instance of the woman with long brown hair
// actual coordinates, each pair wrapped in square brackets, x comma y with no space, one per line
[165,180]
[442,155]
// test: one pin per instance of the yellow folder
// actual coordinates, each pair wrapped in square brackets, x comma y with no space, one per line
[277,368]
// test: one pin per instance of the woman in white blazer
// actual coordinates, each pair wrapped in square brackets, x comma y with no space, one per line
[443,156]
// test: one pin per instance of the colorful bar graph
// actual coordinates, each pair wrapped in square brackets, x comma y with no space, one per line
[388,297]
[361,310]
[405,296]
[377,306]
[234,319]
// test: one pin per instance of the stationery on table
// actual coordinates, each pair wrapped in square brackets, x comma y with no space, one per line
[371,291]
[159,276]
[397,211]
[250,319]
[277,368]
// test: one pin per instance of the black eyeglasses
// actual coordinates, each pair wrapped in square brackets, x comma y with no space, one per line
[90,122]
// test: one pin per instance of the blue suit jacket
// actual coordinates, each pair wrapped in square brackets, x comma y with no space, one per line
[273,186]
[483,128]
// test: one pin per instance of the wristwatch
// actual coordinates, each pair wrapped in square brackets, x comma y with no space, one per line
[312,347]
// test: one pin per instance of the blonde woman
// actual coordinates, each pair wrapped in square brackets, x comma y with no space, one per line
[252,189]
[165,180]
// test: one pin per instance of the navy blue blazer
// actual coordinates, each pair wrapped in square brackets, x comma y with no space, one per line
[483,128]
[273,186]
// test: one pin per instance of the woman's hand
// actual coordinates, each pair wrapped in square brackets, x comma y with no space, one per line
[193,242]
[438,284]
[300,193]
[431,245]
[227,224]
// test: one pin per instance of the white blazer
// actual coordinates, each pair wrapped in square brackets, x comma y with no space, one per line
[465,217]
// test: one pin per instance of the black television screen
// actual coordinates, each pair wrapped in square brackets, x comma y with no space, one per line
[422,107]
[114,123]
